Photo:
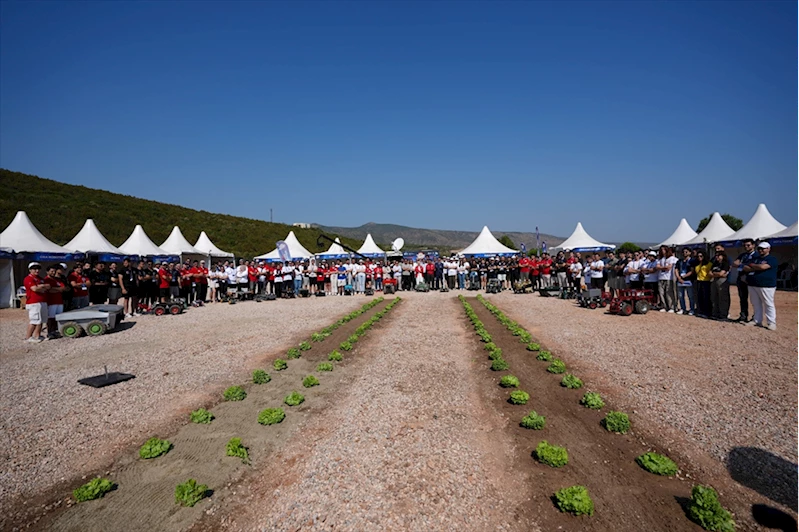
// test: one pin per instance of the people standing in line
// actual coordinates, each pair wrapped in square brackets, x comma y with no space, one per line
[561,269]
[685,276]
[650,271]
[720,288]
[761,277]
[703,282]
[612,267]
[100,281]
[576,270]
[62,273]
[55,299]
[80,287]
[36,294]
[164,281]
[743,288]
[597,268]
[127,281]
[114,292]
[665,269]
[545,265]
[634,270]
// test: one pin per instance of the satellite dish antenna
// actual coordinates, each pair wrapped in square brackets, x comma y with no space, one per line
[397,244]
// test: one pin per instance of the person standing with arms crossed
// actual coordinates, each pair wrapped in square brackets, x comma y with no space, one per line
[743,289]
[761,276]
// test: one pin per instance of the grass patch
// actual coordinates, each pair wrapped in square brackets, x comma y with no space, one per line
[657,464]
[235,393]
[94,489]
[259,376]
[190,493]
[551,455]
[202,416]
[574,500]
[616,422]
[592,400]
[271,416]
[294,399]
[154,447]
[533,421]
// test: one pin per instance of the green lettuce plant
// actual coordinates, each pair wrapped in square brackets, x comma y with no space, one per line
[345,346]
[335,356]
[551,455]
[556,366]
[280,364]
[235,448]
[546,356]
[657,464]
[270,416]
[706,510]
[509,381]
[353,339]
[616,422]
[309,381]
[532,346]
[94,489]
[235,393]
[324,366]
[592,400]
[571,382]
[154,447]
[305,346]
[318,337]
[190,493]
[294,352]
[259,376]
[495,354]
[499,365]
[574,500]
[533,421]
[519,397]
[202,416]
[294,399]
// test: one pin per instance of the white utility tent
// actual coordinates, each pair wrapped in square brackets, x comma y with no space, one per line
[90,240]
[7,278]
[486,245]
[786,235]
[370,249]
[23,237]
[176,244]
[335,251]
[205,245]
[680,235]
[716,230]
[760,225]
[296,250]
[581,241]
[138,243]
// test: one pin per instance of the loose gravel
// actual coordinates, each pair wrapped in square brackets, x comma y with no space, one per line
[53,429]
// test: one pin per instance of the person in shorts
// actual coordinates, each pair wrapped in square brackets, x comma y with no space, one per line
[36,293]
[55,299]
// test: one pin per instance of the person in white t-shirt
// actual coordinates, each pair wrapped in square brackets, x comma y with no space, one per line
[452,272]
[360,277]
[597,267]
[666,287]
[633,271]
[576,270]
[650,271]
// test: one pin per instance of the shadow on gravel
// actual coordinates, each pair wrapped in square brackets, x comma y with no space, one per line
[770,517]
[766,473]
[124,326]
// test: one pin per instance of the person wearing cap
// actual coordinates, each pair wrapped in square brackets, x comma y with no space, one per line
[650,272]
[761,277]
[743,289]
[55,300]
[36,293]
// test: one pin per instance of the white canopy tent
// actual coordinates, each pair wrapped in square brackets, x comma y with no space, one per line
[760,225]
[205,245]
[176,244]
[23,237]
[90,240]
[680,235]
[7,286]
[581,241]
[716,230]
[335,251]
[296,250]
[486,245]
[138,243]
[786,236]
[370,249]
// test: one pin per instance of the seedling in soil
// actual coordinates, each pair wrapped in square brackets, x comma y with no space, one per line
[706,510]
[519,397]
[571,382]
[259,376]
[309,381]
[525,337]
[490,346]
[305,346]
[345,346]
[495,354]
[294,352]
[94,489]
[551,455]
[335,356]
[270,416]
[532,346]
[190,493]
[154,447]
[294,399]
[533,421]
[280,364]
[202,416]
[546,356]
[353,339]
[509,381]
[235,393]
[499,365]
[574,500]
[557,366]
[235,448]
[616,422]
[318,337]
[324,366]
[592,400]
[657,464]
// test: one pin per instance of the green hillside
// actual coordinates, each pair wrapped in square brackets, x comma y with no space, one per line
[59,211]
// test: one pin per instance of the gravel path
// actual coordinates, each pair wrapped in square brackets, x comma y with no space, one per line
[731,389]
[407,446]
[179,362]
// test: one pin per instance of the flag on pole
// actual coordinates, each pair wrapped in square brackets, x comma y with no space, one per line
[523,248]
[544,246]
[537,242]
[283,251]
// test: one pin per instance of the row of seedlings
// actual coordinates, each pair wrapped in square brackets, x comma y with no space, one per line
[705,508]
[190,492]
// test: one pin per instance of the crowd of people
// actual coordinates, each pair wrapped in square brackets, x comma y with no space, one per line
[690,281]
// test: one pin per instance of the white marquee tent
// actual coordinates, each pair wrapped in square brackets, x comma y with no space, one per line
[760,225]
[138,243]
[581,241]
[205,245]
[296,250]
[370,249]
[23,237]
[680,235]
[787,235]
[335,251]
[486,245]
[716,230]
[176,244]
[90,240]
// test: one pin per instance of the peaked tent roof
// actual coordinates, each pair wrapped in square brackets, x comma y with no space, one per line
[204,243]
[90,240]
[296,250]
[716,230]
[23,237]
[680,235]
[177,244]
[369,248]
[138,243]
[486,245]
[580,240]
[785,236]
[760,225]
[335,251]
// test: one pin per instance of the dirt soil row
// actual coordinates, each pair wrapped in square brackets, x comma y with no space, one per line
[145,500]
[626,497]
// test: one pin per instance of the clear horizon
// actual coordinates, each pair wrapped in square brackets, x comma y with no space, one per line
[626,117]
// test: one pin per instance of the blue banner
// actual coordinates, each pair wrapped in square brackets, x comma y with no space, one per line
[283,251]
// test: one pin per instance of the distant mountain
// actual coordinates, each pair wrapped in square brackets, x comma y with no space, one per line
[442,239]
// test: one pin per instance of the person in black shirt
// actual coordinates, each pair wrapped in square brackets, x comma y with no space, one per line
[128,282]
[114,292]
[720,288]
[98,290]
[743,288]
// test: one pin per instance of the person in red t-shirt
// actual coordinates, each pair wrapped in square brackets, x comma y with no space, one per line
[55,299]
[524,268]
[80,286]
[378,273]
[545,264]
[164,278]
[252,276]
[35,302]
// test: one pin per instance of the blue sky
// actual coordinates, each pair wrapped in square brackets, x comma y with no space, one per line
[452,115]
